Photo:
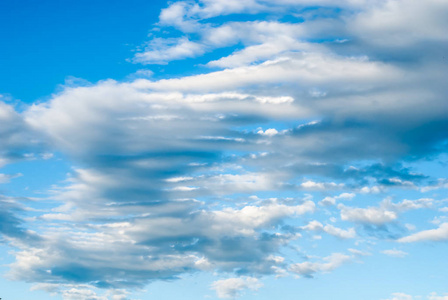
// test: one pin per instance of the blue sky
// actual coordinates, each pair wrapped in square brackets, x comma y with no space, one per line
[216,149]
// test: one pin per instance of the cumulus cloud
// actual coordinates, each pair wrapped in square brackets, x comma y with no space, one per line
[330,229]
[233,287]
[329,263]
[385,213]
[332,200]
[439,234]
[19,142]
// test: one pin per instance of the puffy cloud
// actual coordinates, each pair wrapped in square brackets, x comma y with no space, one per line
[330,229]
[232,287]
[439,234]
[388,22]
[329,263]
[19,142]
[162,246]
[385,213]
[332,200]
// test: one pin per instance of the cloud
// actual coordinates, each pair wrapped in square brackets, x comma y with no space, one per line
[80,292]
[394,253]
[233,287]
[386,212]
[439,234]
[166,168]
[401,296]
[163,245]
[18,140]
[330,229]
[435,296]
[442,183]
[387,23]
[327,201]
[5,178]
[161,51]
[329,263]
[320,185]
[12,226]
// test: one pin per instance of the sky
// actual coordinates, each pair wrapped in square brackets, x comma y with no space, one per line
[223,149]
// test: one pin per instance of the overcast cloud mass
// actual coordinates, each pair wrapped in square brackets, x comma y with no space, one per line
[309,142]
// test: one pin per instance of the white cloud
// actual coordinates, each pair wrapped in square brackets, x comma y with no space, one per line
[161,51]
[441,184]
[435,296]
[80,291]
[268,132]
[395,253]
[309,68]
[439,234]
[386,212]
[321,185]
[401,296]
[327,201]
[5,178]
[372,215]
[233,287]
[403,22]
[329,263]
[330,229]
[359,252]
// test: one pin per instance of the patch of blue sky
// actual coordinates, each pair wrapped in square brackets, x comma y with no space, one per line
[48,41]
[37,175]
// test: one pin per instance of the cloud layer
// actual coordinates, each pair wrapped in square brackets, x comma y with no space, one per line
[222,171]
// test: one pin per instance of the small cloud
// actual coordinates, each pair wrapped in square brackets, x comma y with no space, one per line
[233,287]
[438,234]
[46,156]
[400,296]
[268,132]
[395,253]
[321,185]
[359,252]
[5,178]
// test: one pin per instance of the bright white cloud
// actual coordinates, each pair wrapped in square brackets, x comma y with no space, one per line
[385,213]
[233,287]
[330,229]
[439,234]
